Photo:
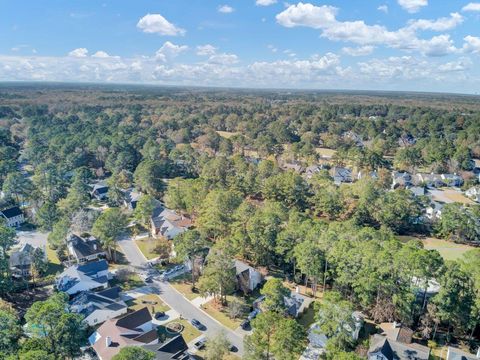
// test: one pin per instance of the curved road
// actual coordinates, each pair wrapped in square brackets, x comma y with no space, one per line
[177,301]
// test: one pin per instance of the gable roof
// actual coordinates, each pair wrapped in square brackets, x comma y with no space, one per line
[11,212]
[84,247]
[395,350]
[78,273]
[22,257]
[457,354]
[88,302]
[133,320]
[174,348]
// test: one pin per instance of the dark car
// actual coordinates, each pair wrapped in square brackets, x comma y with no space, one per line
[200,344]
[159,314]
[245,325]
[197,324]
[233,348]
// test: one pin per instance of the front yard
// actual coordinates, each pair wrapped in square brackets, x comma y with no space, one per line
[54,264]
[183,285]
[126,280]
[151,301]
[189,332]
[152,248]
[221,314]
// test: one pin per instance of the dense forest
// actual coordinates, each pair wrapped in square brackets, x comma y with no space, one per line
[221,158]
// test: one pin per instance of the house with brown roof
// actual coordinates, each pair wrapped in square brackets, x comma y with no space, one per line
[167,223]
[134,329]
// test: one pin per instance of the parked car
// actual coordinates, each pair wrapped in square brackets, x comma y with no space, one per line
[233,348]
[198,324]
[159,315]
[245,325]
[148,280]
[200,344]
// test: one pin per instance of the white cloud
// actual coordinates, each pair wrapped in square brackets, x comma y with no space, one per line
[206,50]
[412,6]
[358,32]
[358,51]
[471,7]
[383,8]
[472,44]
[272,48]
[226,9]
[157,24]
[169,51]
[265,2]
[101,54]
[440,24]
[223,59]
[79,53]
[461,64]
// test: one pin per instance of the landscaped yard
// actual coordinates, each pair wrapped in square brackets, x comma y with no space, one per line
[151,301]
[183,284]
[189,332]
[127,281]
[308,317]
[220,313]
[448,249]
[54,264]
[148,246]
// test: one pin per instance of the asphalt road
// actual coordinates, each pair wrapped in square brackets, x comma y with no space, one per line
[176,301]
[188,311]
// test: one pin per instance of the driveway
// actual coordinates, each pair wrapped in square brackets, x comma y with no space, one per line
[188,311]
[34,238]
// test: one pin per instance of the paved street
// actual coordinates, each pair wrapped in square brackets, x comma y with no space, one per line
[177,302]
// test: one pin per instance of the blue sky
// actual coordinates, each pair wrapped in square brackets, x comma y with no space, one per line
[425,45]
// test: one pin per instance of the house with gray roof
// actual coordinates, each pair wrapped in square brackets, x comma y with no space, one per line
[78,278]
[174,348]
[13,216]
[457,354]
[167,223]
[21,261]
[248,278]
[85,249]
[98,307]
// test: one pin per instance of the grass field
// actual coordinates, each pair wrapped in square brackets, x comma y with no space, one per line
[189,332]
[54,265]
[151,301]
[183,285]
[221,314]
[324,152]
[448,249]
[226,134]
[147,247]
[131,282]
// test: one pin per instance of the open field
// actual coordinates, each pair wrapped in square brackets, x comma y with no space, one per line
[450,196]
[449,250]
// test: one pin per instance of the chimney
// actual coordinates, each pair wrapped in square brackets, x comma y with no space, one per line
[94,246]
[108,341]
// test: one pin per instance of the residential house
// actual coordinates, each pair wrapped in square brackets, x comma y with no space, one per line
[367,174]
[134,329]
[98,307]
[131,197]
[474,193]
[295,166]
[434,211]
[452,180]
[312,170]
[406,140]
[295,304]
[317,341]
[341,175]
[457,354]
[21,261]
[429,180]
[84,249]
[173,349]
[418,190]
[83,277]
[13,216]
[167,223]
[396,344]
[247,277]
[99,191]
[401,180]
[353,137]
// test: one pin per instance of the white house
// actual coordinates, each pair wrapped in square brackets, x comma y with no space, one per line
[13,216]
[98,307]
[89,276]
[247,277]
[434,211]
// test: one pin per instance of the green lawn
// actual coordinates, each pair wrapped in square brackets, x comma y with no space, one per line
[220,313]
[133,281]
[147,247]
[447,249]
[183,285]
[54,264]
[308,317]
[151,301]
